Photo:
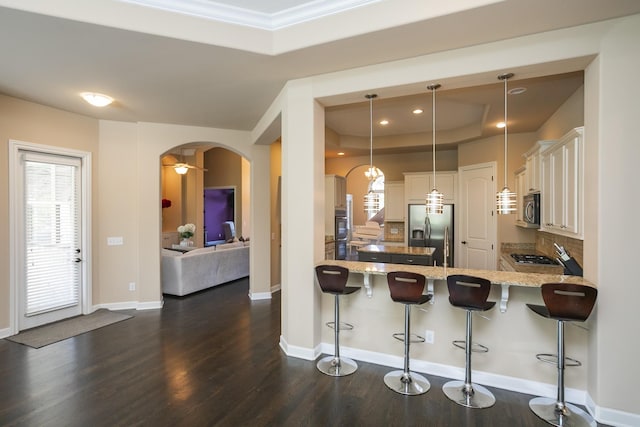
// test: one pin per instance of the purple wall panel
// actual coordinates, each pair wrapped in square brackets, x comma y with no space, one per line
[218,208]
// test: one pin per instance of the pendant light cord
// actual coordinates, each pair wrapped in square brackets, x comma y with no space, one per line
[505,130]
[371,135]
[433,139]
[371,173]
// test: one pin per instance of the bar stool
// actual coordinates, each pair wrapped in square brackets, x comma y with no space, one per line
[333,280]
[407,288]
[563,302]
[469,293]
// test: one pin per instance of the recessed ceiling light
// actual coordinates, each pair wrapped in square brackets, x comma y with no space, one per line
[340,153]
[97,99]
[517,90]
[384,122]
[500,125]
[418,111]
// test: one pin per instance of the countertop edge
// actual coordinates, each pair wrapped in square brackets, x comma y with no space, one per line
[440,273]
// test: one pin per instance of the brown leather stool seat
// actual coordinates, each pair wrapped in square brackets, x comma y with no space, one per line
[469,293]
[407,288]
[563,302]
[333,280]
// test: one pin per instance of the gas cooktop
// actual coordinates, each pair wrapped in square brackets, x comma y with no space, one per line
[533,259]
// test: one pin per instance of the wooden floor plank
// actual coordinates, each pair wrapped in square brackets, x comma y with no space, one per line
[212,359]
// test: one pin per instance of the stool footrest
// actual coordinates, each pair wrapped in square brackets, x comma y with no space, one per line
[475,347]
[553,359]
[343,326]
[412,337]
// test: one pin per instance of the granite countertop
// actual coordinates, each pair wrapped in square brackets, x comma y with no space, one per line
[329,239]
[527,248]
[507,278]
[403,250]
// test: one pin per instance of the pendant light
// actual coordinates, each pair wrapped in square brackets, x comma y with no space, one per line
[505,199]
[371,202]
[434,199]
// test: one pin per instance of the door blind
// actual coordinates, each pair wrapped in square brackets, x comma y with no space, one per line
[52,238]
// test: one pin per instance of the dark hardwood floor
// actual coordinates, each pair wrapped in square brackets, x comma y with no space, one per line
[212,359]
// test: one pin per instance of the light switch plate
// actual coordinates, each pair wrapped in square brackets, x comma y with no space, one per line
[114,241]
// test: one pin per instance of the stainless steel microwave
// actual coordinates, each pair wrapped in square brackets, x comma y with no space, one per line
[531,209]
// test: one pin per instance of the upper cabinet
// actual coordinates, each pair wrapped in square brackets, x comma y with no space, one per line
[394,208]
[335,188]
[521,182]
[418,184]
[533,158]
[562,176]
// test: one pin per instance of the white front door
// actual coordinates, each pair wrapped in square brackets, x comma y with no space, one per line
[477,217]
[48,237]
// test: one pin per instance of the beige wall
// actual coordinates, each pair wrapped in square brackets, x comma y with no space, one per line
[276,199]
[29,122]
[570,115]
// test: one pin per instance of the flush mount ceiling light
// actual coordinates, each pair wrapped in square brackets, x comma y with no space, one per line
[505,199]
[371,202]
[384,122]
[434,199]
[96,99]
[418,111]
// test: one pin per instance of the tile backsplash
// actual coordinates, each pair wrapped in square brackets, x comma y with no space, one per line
[545,241]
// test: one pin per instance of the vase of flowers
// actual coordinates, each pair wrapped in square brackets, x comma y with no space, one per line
[186,233]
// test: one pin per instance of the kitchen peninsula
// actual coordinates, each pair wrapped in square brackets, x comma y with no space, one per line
[396,254]
[505,279]
[514,335]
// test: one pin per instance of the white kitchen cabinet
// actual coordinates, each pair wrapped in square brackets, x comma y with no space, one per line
[418,184]
[336,191]
[521,182]
[394,207]
[335,198]
[562,167]
[532,164]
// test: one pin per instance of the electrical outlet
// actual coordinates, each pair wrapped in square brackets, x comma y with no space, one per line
[429,336]
[132,286]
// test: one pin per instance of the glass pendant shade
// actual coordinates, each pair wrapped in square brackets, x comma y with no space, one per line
[434,202]
[506,201]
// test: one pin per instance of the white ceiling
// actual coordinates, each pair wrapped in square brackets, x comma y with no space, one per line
[166,66]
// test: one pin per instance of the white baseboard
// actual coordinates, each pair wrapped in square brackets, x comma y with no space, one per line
[259,296]
[130,305]
[580,397]
[264,295]
[612,417]
[299,352]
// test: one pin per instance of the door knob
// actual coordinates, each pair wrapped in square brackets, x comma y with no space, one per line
[464,242]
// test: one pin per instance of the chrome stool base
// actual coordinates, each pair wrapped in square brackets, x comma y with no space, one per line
[473,396]
[410,384]
[337,367]
[569,416]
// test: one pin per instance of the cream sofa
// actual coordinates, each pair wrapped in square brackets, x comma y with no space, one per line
[203,268]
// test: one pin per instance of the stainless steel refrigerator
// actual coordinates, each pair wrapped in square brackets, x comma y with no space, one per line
[429,230]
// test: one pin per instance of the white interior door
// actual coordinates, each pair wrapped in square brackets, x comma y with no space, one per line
[49,273]
[477,217]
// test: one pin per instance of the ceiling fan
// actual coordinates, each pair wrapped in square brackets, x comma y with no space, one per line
[182,167]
